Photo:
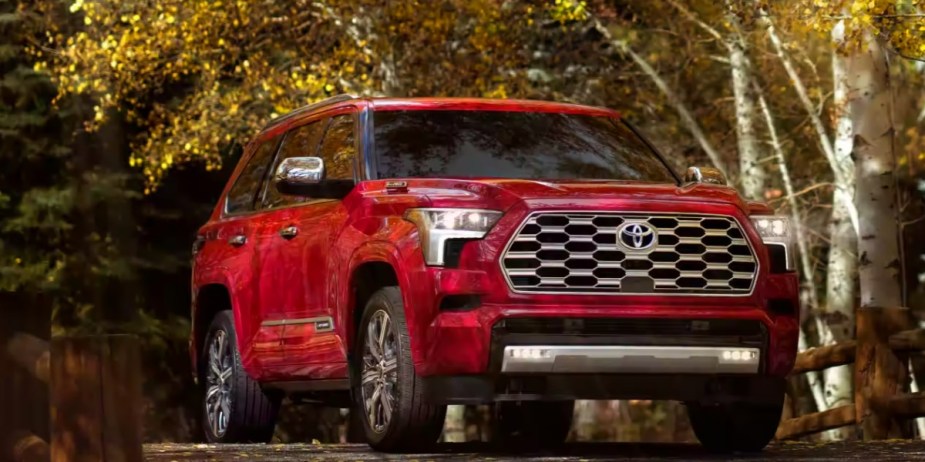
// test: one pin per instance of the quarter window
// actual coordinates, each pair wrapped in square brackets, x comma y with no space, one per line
[243,193]
[339,148]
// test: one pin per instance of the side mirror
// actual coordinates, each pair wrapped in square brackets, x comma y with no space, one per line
[299,175]
[708,175]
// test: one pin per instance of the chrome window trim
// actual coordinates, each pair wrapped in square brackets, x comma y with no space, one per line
[523,223]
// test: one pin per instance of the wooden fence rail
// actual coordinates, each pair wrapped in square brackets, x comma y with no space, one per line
[95,394]
[896,406]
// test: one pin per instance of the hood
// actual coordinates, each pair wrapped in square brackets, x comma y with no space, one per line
[500,194]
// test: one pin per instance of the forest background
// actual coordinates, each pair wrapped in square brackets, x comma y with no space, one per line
[120,121]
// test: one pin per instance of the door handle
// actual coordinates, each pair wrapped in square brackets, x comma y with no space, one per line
[237,240]
[289,232]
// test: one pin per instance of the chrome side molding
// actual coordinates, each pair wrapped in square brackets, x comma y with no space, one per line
[322,323]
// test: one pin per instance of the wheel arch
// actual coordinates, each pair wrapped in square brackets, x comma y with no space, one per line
[373,265]
[210,300]
[366,278]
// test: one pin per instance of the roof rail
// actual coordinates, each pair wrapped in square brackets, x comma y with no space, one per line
[308,108]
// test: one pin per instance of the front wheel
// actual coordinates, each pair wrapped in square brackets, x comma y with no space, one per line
[531,423]
[745,427]
[235,408]
[387,392]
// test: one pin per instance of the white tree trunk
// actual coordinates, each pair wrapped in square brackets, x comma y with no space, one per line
[842,260]
[585,419]
[454,427]
[868,77]
[811,293]
[751,173]
[841,175]
[812,377]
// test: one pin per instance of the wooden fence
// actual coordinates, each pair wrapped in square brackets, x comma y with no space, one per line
[880,355]
[92,387]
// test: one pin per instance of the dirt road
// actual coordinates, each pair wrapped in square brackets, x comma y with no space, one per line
[842,452]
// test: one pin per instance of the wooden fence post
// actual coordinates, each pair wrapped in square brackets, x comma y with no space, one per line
[879,373]
[25,326]
[95,399]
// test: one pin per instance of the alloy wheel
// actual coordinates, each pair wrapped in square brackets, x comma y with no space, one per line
[379,376]
[218,383]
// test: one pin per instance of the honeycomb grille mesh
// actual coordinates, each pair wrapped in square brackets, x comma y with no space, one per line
[566,252]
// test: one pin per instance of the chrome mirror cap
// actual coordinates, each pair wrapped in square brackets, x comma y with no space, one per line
[708,175]
[299,171]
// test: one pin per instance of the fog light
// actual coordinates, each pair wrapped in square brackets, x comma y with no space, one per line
[529,353]
[740,355]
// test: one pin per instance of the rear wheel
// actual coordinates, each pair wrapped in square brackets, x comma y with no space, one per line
[235,408]
[387,392]
[746,427]
[532,423]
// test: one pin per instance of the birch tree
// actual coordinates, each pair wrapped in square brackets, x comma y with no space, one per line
[752,175]
[843,183]
[454,427]
[810,292]
[868,80]
[751,172]
[834,322]
[842,259]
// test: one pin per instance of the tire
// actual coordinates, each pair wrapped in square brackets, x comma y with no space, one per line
[531,424]
[735,427]
[249,415]
[412,423]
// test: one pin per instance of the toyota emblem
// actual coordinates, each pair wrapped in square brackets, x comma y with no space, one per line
[636,236]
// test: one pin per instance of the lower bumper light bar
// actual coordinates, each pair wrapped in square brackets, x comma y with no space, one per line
[630,359]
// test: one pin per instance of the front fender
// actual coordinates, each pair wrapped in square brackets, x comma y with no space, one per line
[402,251]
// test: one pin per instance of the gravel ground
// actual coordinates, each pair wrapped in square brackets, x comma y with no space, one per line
[897,450]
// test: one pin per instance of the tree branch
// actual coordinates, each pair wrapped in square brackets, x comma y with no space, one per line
[693,18]
[844,177]
[686,117]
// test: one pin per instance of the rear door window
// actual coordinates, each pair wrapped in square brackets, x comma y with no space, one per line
[243,194]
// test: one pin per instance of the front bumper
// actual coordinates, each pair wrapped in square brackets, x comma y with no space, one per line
[473,342]
[585,357]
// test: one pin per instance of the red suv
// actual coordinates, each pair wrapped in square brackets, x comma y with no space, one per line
[399,255]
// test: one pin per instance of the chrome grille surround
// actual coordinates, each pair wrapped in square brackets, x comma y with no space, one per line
[577,252]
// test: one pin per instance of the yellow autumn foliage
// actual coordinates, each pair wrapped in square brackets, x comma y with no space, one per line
[197,76]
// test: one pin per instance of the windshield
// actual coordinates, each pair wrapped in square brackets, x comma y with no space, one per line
[549,146]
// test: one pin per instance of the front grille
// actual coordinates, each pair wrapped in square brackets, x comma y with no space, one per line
[631,326]
[576,252]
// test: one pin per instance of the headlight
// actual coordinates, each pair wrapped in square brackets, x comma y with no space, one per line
[773,228]
[776,232]
[436,226]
